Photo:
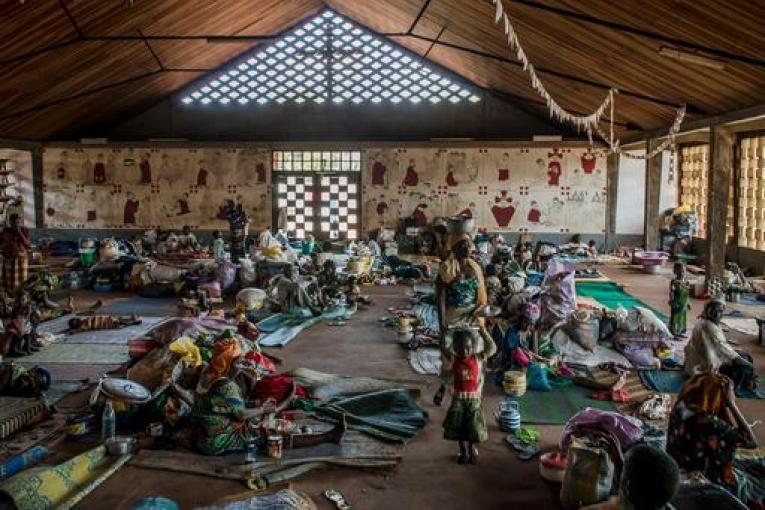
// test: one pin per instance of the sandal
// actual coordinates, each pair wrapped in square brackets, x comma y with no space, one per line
[337,498]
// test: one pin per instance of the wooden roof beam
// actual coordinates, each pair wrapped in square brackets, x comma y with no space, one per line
[639,32]
[419,15]
[690,108]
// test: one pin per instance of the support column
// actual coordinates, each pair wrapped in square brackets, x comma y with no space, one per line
[612,191]
[652,197]
[720,173]
[37,186]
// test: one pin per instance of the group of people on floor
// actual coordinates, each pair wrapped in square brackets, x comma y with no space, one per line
[706,426]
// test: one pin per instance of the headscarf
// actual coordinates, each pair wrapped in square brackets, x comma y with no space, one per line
[705,392]
[516,284]
[224,352]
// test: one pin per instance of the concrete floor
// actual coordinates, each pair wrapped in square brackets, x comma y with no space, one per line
[428,477]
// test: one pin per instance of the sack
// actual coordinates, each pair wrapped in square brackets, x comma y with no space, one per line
[583,329]
[536,378]
[588,476]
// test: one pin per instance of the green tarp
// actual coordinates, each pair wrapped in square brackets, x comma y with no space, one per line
[611,295]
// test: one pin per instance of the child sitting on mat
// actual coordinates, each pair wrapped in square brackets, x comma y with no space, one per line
[465,356]
[97,322]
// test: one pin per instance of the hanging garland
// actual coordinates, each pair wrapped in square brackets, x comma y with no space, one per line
[588,123]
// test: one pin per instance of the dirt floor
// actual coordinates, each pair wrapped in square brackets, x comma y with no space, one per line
[428,477]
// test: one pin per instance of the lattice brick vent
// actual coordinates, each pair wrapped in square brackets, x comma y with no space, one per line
[751,193]
[694,162]
[330,59]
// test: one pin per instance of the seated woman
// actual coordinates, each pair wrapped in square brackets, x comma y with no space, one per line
[708,350]
[705,428]
[221,421]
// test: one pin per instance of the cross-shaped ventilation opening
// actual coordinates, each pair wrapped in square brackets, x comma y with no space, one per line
[330,59]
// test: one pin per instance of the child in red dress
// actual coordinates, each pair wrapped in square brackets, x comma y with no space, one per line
[464,422]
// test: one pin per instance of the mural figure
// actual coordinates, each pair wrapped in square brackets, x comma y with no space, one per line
[418,216]
[411,178]
[378,173]
[588,162]
[131,208]
[554,167]
[61,170]
[260,172]
[182,205]
[535,213]
[382,208]
[145,167]
[99,170]
[503,209]
[503,172]
[202,176]
[450,179]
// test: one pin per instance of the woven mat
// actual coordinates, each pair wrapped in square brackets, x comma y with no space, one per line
[91,354]
[17,413]
[638,391]
[556,407]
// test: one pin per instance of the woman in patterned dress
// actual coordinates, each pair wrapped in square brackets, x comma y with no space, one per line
[705,429]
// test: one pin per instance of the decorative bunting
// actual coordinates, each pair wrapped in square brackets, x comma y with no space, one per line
[586,123]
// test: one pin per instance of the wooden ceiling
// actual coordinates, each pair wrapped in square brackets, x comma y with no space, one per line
[69,64]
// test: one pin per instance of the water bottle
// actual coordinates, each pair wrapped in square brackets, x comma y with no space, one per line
[108,422]
[251,454]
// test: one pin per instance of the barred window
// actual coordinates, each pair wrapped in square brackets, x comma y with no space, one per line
[316,161]
[751,193]
[330,59]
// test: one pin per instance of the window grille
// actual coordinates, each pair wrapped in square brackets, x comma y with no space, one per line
[330,59]
[316,161]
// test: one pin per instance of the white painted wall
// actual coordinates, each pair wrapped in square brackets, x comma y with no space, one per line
[670,192]
[630,201]
[21,162]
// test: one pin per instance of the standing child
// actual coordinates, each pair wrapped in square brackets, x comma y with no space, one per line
[465,356]
[218,245]
[678,301]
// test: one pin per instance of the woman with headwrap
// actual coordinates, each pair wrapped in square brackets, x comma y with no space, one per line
[705,429]
[223,423]
[460,295]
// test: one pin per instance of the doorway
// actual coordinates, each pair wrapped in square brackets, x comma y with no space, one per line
[317,193]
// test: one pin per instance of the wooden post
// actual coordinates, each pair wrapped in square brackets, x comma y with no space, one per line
[612,193]
[37,186]
[652,197]
[720,168]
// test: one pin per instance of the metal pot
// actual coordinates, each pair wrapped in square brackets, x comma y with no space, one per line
[120,445]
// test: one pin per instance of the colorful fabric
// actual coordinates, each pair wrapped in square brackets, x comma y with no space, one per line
[14,242]
[225,351]
[466,375]
[462,293]
[15,271]
[277,387]
[704,442]
[705,393]
[47,487]
[218,423]
[465,422]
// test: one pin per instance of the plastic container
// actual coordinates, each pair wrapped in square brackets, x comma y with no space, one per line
[87,257]
[108,422]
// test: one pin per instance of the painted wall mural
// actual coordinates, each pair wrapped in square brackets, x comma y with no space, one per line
[143,188]
[512,190]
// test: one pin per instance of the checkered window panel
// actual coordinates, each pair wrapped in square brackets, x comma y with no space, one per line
[316,161]
[330,59]
[326,206]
